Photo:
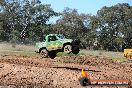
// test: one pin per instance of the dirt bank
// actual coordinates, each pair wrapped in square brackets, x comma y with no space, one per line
[61,72]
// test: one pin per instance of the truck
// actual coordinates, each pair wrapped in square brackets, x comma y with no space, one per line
[54,43]
[128,53]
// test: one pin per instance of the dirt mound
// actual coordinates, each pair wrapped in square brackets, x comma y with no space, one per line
[89,60]
[62,72]
[22,76]
[26,60]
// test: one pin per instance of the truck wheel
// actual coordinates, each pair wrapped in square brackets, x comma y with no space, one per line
[129,57]
[75,50]
[44,53]
[67,49]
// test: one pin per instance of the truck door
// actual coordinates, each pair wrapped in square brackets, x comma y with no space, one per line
[52,43]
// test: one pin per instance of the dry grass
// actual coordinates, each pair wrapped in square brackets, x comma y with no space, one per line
[8,46]
[108,54]
[25,50]
[28,50]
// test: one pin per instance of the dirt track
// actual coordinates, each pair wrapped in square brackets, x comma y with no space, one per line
[61,72]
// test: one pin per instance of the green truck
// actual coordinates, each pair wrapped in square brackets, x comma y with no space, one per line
[54,43]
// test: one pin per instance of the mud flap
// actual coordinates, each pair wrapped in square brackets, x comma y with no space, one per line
[75,50]
[75,46]
[52,54]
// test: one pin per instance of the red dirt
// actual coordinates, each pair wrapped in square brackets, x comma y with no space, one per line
[61,72]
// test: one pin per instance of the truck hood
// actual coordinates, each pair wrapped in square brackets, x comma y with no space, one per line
[66,40]
[40,44]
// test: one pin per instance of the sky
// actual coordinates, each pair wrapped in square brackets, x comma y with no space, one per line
[82,6]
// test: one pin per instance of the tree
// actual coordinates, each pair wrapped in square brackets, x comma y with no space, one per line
[114,26]
[24,21]
[76,26]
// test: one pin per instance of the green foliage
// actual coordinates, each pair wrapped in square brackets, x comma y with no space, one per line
[76,26]
[115,27]
[26,22]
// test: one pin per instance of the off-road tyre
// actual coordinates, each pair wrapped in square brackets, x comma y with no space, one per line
[44,53]
[67,49]
[129,57]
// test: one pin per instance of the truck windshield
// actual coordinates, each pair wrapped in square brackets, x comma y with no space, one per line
[61,36]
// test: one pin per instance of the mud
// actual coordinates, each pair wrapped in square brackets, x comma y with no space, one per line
[61,72]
